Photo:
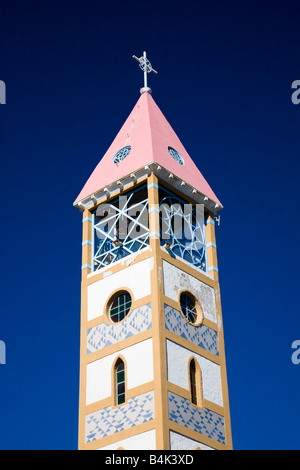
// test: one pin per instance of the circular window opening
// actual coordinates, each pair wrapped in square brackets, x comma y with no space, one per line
[190,308]
[176,155]
[119,307]
[121,154]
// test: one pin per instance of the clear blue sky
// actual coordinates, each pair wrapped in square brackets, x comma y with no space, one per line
[224,84]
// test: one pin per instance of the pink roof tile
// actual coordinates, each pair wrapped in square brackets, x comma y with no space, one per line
[149,134]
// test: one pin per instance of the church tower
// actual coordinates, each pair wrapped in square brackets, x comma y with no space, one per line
[152,358]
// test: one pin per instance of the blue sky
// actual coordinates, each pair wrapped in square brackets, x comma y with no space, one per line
[224,84]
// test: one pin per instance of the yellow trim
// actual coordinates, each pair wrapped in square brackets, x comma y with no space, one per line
[119,265]
[224,382]
[178,428]
[174,304]
[113,348]
[185,343]
[86,249]
[135,304]
[119,436]
[82,368]
[182,392]
[211,250]
[205,278]
[159,342]
[145,254]
[211,238]
[108,401]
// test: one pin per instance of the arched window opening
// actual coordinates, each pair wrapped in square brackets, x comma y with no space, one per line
[195,378]
[193,382]
[120,382]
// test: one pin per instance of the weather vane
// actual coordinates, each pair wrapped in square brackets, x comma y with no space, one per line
[146,68]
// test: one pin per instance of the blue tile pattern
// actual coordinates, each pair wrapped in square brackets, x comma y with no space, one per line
[202,336]
[105,334]
[204,421]
[137,410]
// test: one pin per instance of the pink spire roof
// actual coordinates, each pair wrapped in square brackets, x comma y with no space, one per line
[149,134]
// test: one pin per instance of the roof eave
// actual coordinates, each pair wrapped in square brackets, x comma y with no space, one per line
[139,175]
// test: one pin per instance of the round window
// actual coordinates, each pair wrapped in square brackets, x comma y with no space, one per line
[176,155]
[121,154]
[190,308]
[119,306]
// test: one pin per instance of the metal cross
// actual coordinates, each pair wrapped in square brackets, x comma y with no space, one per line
[146,67]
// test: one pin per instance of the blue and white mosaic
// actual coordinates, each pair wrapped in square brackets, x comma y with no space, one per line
[204,421]
[202,336]
[105,334]
[137,410]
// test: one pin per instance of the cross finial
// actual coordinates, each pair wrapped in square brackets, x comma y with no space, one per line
[147,68]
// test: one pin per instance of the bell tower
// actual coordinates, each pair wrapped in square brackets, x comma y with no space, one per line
[152,358]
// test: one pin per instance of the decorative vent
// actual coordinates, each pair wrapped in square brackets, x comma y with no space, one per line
[176,155]
[121,154]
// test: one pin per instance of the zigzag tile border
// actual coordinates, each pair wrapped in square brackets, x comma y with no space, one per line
[105,334]
[202,336]
[137,410]
[204,421]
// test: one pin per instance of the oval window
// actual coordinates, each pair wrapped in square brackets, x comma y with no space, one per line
[176,155]
[190,308]
[121,154]
[119,306]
